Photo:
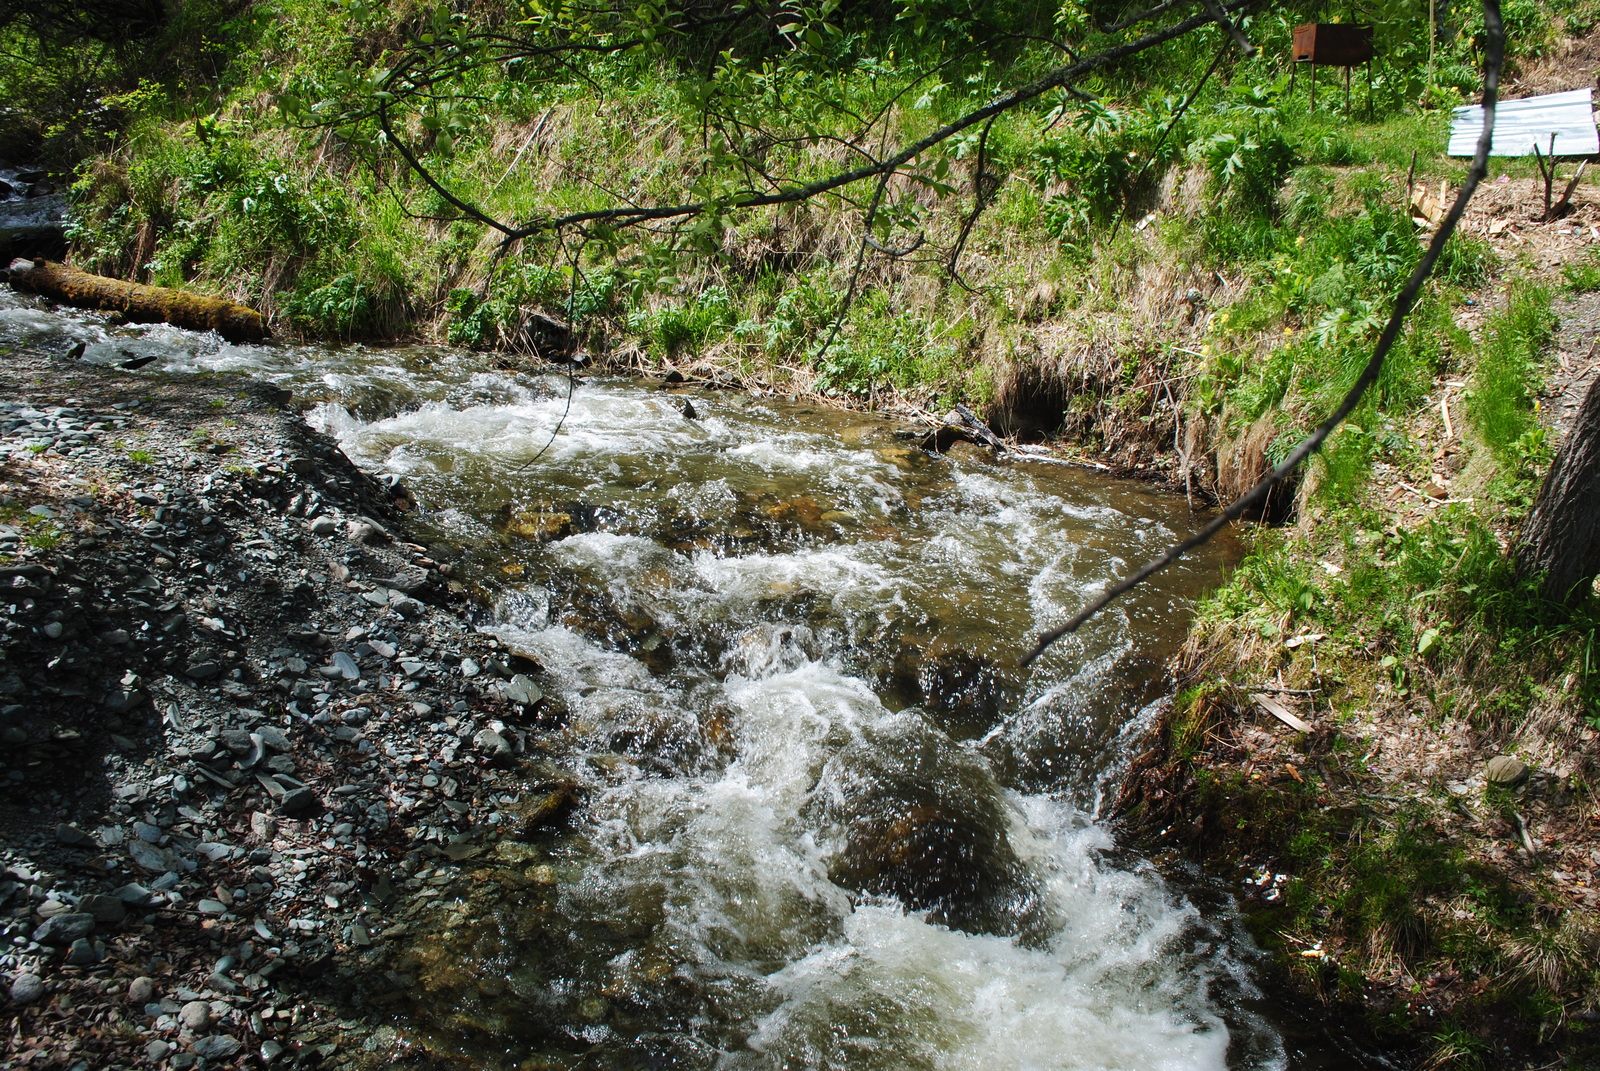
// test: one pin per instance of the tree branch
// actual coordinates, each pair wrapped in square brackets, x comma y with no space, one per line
[1494,50]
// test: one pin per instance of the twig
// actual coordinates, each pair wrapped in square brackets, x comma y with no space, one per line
[1522,832]
[537,129]
[1566,197]
[1493,52]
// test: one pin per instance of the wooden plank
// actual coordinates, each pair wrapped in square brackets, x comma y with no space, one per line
[1278,710]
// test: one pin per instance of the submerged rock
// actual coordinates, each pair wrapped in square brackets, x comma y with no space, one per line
[924,821]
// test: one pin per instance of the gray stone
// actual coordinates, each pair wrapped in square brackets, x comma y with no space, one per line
[68,834]
[83,953]
[150,857]
[360,532]
[141,990]
[203,671]
[521,689]
[62,930]
[212,907]
[195,1015]
[323,526]
[132,893]
[213,850]
[263,825]
[1505,770]
[411,578]
[495,746]
[300,803]
[275,739]
[26,988]
[157,1051]
[381,649]
[104,908]
[347,667]
[235,740]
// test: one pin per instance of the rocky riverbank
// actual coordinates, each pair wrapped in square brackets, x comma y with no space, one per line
[243,718]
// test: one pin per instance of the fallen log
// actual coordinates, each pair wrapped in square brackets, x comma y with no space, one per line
[139,303]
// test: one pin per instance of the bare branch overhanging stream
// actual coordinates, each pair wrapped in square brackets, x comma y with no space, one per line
[1494,49]
[1060,78]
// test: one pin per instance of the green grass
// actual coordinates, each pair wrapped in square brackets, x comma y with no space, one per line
[1500,400]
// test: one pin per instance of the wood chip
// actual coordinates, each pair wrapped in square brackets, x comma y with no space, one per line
[1281,712]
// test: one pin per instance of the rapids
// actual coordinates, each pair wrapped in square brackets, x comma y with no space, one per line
[825,822]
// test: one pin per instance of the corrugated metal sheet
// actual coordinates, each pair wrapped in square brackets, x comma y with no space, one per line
[1519,125]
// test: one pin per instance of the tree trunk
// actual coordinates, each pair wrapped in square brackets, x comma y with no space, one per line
[1561,537]
[140,304]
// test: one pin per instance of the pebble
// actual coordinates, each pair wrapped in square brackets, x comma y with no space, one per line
[195,1015]
[141,990]
[322,526]
[157,1051]
[26,988]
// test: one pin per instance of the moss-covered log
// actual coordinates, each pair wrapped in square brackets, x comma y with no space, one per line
[140,304]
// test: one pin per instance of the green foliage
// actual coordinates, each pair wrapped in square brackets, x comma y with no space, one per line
[1501,402]
[687,325]
[350,306]
[1582,276]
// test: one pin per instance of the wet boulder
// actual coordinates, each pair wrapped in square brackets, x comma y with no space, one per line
[916,817]
[965,693]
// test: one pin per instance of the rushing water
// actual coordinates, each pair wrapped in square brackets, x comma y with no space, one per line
[826,821]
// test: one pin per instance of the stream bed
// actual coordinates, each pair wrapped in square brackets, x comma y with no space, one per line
[824,819]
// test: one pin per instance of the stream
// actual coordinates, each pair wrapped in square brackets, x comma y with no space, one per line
[825,820]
